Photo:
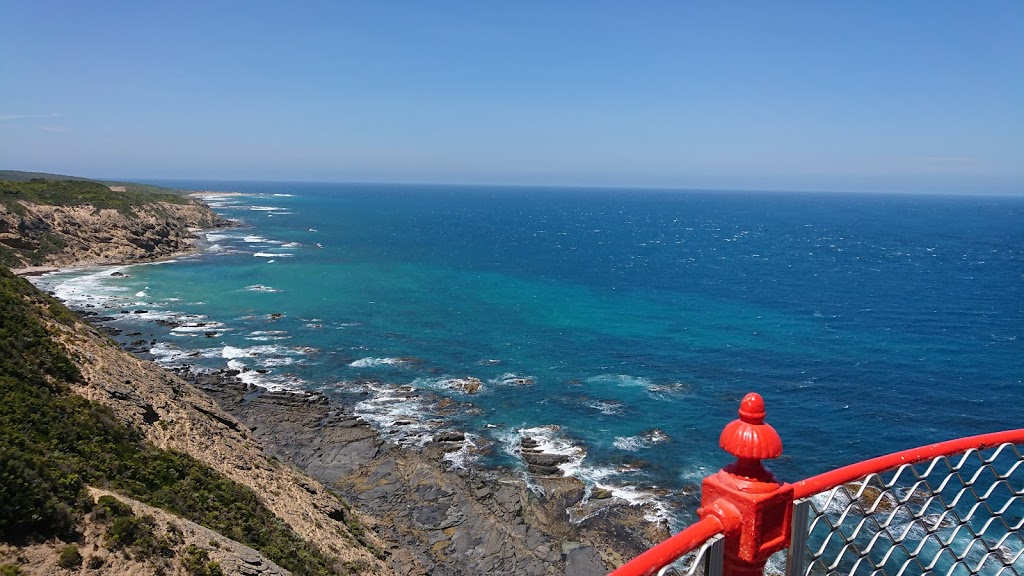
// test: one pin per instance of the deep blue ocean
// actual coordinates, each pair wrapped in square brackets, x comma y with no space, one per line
[620,326]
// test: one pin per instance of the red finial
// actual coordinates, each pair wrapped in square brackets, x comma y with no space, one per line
[749,437]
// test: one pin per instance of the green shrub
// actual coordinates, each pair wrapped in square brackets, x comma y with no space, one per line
[78,192]
[196,562]
[10,570]
[94,563]
[54,443]
[108,508]
[126,531]
[70,557]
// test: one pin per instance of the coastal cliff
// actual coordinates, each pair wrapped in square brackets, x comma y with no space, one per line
[342,499]
[82,419]
[64,223]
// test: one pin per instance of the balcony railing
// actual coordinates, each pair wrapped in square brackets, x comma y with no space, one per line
[953,508]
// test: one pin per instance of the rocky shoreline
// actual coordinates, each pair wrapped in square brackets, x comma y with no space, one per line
[439,519]
[427,515]
[37,238]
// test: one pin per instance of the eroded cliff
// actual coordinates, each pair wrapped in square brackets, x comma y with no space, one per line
[87,223]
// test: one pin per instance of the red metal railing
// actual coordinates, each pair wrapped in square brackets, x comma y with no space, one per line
[912,512]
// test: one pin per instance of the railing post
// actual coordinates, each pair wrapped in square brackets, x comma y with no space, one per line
[752,505]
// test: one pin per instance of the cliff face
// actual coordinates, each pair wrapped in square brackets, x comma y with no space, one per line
[77,410]
[61,235]
[173,415]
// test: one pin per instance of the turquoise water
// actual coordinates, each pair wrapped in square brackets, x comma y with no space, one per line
[620,326]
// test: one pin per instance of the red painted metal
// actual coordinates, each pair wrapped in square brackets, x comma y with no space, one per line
[754,507]
[668,551]
[749,436]
[829,480]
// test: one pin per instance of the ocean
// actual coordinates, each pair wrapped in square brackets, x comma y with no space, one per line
[620,327]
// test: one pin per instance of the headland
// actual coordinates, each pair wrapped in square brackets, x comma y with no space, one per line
[373,506]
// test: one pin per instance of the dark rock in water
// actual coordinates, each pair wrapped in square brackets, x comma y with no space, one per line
[262,370]
[140,311]
[450,437]
[209,334]
[103,319]
[138,343]
[601,494]
[117,274]
[528,442]
[276,315]
[135,334]
[543,470]
[545,459]
[436,519]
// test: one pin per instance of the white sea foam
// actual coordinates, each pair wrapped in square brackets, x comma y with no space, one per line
[513,379]
[233,352]
[465,384]
[196,329]
[267,350]
[272,255]
[266,380]
[87,287]
[261,288]
[376,362]
[462,457]
[552,440]
[291,245]
[281,195]
[164,353]
[254,239]
[265,208]
[630,443]
[607,407]
[167,354]
[271,362]
[620,380]
[397,413]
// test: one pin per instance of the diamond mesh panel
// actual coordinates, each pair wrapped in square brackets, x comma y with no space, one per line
[952,515]
[704,561]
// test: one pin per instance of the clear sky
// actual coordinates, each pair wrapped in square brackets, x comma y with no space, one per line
[912,96]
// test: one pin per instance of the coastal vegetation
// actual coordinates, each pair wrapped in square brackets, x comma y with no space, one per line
[78,193]
[133,187]
[54,444]
[47,221]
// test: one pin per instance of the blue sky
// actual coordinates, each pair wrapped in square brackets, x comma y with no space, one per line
[909,96]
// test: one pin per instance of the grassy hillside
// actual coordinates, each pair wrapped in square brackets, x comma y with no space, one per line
[54,443]
[76,193]
[21,176]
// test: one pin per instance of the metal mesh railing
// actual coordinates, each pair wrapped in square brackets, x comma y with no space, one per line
[704,561]
[696,550]
[951,515]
